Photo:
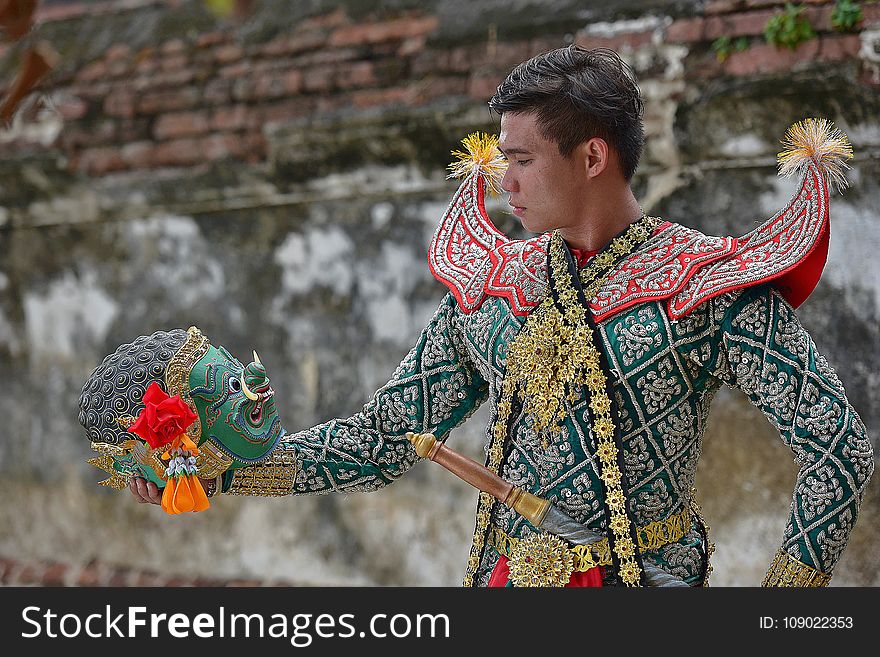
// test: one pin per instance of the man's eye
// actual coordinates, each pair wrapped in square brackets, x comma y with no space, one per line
[523,162]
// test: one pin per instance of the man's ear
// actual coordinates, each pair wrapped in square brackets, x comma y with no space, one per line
[595,155]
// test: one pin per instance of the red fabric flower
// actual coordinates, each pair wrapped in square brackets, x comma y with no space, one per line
[163,419]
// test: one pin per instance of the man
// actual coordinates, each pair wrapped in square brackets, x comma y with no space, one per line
[600,344]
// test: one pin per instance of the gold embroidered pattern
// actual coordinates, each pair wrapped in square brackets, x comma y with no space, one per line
[211,461]
[273,477]
[541,560]
[177,373]
[787,571]
[584,557]
[550,356]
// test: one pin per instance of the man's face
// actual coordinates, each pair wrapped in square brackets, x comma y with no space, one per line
[547,190]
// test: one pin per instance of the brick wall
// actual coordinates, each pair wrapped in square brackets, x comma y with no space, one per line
[189,100]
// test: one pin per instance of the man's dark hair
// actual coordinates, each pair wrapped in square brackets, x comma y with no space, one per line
[578,94]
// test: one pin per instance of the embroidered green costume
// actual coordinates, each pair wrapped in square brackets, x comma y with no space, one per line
[677,316]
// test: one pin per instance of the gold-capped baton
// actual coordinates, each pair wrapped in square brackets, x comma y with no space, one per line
[537,510]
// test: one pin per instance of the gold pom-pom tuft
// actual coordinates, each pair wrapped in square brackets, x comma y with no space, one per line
[481,155]
[823,143]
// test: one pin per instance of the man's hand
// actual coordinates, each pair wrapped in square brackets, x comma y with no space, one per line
[145,492]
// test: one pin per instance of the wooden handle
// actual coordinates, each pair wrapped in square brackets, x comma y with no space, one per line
[530,506]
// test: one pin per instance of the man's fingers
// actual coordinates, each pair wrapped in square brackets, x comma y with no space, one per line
[145,492]
[133,487]
[153,493]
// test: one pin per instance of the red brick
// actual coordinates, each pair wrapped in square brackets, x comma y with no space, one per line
[363,33]
[426,90]
[870,77]
[276,84]
[211,39]
[117,51]
[318,79]
[236,117]
[333,19]
[464,59]
[217,91]
[723,6]
[147,578]
[870,14]
[89,575]
[254,148]
[428,62]
[238,70]
[179,152]
[173,63]
[7,567]
[686,30]
[128,130]
[178,581]
[766,58]
[173,47]
[120,577]
[157,101]
[100,160]
[93,71]
[354,75]
[291,45]
[119,103]
[180,124]
[328,56]
[483,87]
[120,68]
[221,146]
[379,97]
[71,108]
[227,54]
[836,48]
[54,574]
[286,110]
[29,574]
[170,78]
[146,65]
[411,46]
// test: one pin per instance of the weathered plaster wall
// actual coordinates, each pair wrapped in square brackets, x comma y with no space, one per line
[277,182]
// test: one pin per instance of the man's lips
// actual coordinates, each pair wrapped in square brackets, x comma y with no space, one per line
[518,210]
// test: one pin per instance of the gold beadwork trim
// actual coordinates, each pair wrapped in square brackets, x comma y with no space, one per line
[177,373]
[787,571]
[544,343]
[211,461]
[652,537]
[273,477]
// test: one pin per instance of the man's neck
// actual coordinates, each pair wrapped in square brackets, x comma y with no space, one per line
[601,223]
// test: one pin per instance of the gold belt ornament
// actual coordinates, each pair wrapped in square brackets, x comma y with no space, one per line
[546,560]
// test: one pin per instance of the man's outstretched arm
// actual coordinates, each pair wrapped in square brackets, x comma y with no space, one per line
[434,389]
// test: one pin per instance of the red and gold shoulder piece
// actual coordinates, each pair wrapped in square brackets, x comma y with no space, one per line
[660,268]
[469,254]
[791,247]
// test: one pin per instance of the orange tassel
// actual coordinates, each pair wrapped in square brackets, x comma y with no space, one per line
[200,500]
[168,495]
[183,501]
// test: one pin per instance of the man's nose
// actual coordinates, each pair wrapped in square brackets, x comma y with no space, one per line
[508,182]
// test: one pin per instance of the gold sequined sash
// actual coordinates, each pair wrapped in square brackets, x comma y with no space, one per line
[651,537]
